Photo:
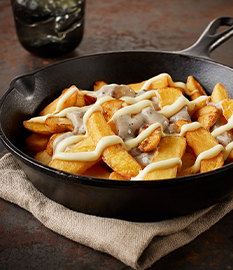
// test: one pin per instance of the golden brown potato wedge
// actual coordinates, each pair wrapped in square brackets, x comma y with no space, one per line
[230,157]
[227,107]
[115,156]
[36,143]
[36,127]
[59,124]
[49,147]
[76,99]
[160,83]
[219,93]
[97,172]
[116,176]
[201,140]
[136,86]
[168,95]
[111,107]
[98,85]
[151,142]
[89,99]
[188,161]
[169,147]
[206,115]
[43,157]
[51,107]
[194,88]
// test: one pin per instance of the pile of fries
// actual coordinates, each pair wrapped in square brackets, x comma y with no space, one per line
[155,129]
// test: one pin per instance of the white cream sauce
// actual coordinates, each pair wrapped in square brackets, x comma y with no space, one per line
[160,76]
[157,165]
[210,153]
[220,130]
[92,155]
[62,100]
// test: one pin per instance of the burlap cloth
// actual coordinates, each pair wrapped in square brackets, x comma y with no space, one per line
[138,245]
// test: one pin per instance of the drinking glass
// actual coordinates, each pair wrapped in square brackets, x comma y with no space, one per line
[49,28]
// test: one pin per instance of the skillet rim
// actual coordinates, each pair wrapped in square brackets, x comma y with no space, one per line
[86,180]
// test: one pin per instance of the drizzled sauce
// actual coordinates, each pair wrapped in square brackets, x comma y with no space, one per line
[90,156]
[157,165]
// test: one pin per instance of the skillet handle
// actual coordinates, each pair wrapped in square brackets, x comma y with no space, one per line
[210,40]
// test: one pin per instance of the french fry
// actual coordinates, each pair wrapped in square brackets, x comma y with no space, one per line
[188,161]
[90,99]
[227,107]
[206,115]
[76,99]
[219,93]
[168,95]
[169,147]
[111,107]
[78,167]
[36,143]
[36,127]
[80,101]
[151,142]
[115,156]
[194,87]
[230,157]
[98,85]
[43,157]
[160,83]
[49,147]
[136,86]
[51,107]
[195,139]
[116,176]
[59,124]
[97,172]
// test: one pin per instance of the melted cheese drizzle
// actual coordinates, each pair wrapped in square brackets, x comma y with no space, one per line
[227,150]
[136,106]
[62,146]
[157,165]
[92,155]
[143,135]
[222,129]
[146,95]
[147,84]
[190,127]
[67,94]
[170,110]
[210,153]
[132,109]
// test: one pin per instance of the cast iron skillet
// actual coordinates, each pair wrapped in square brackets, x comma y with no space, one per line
[128,200]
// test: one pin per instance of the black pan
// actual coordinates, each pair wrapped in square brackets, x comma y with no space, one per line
[128,200]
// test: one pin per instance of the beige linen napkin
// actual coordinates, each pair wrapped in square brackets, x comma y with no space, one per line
[138,245]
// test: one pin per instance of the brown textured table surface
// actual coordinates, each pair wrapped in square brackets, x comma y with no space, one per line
[110,26]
